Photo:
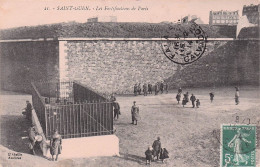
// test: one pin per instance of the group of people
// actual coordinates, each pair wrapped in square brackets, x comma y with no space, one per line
[193,98]
[35,139]
[148,88]
[157,151]
[186,99]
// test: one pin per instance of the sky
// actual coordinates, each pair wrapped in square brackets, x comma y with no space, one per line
[16,13]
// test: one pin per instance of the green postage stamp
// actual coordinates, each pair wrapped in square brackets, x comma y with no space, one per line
[238,143]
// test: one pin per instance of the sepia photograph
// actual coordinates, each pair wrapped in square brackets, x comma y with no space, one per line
[129,83]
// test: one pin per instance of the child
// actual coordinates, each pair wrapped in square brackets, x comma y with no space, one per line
[178,97]
[164,154]
[184,101]
[149,155]
[197,103]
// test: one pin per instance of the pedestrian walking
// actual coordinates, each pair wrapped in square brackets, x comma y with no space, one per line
[211,94]
[149,155]
[186,96]
[116,109]
[237,95]
[193,99]
[157,147]
[135,113]
[184,101]
[197,103]
[55,145]
[178,97]
[164,154]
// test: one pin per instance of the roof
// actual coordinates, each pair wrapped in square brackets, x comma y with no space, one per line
[106,30]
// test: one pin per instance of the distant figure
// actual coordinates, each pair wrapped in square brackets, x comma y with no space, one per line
[164,154]
[116,109]
[178,97]
[145,89]
[197,103]
[56,145]
[135,113]
[113,97]
[180,91]
[211,94]
[237,95]
[184,101]
[135,90]
[32,138]
[150,91]
[187,96]
[139,89]
[156,88]
[149,155]
[193,99]
[157,147]
[28,110]
[161,87]
[166,87]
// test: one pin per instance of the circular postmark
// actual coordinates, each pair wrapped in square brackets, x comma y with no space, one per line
[182,50]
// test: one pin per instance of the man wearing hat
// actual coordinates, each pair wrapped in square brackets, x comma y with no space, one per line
[28,110]
[135,113]
[157,147]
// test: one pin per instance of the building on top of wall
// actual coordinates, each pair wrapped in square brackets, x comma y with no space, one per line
[102,19]
[223,17]
[252,12]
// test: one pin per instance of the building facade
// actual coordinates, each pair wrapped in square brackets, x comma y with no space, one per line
[252,12]
[102,19]
[223,17]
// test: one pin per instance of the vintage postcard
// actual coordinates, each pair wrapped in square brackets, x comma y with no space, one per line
[106,83]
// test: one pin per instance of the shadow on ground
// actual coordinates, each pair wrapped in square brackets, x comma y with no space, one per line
[13,128]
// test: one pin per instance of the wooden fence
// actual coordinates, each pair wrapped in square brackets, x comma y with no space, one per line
[92,115]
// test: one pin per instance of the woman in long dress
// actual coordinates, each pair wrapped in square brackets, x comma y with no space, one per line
[56,145]
[237,142]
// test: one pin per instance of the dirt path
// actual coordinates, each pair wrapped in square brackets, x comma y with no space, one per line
[190,135]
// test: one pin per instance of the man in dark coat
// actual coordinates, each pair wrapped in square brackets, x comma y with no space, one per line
[178,97]
[116,109]
[135,113]
[193,99]
[150,88]
[161,87]
[157,147]
[135,89]
[28,110]
[211,94]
